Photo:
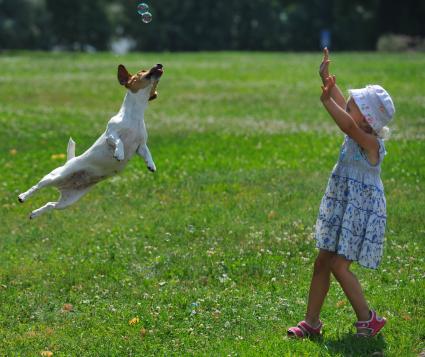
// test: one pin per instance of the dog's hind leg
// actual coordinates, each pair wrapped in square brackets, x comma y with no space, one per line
[47,207]
[68,197]
[47,180]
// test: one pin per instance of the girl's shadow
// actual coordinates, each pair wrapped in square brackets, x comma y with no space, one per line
[350,345]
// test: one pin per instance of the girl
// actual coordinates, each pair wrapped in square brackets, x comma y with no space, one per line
[352,215]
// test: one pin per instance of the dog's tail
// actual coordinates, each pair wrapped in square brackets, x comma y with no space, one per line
[70,151]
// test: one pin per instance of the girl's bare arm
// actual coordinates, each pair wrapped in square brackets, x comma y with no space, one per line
[345,122]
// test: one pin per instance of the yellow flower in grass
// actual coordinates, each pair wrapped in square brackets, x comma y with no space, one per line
[134,321]
[13,152]
[67,308]
[341,303]
[46,353]
[272,214]
[57,156]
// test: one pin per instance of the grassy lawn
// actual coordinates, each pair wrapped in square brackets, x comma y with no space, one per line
[212,254]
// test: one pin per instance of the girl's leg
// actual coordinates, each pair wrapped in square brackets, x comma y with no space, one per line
[351,286]
[319,286]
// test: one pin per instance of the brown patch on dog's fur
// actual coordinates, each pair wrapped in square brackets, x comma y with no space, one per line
[80,180]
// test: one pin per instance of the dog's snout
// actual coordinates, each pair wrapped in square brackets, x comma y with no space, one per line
[155,71]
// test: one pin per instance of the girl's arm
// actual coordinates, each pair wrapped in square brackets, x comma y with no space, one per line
[345,122]
[336,93]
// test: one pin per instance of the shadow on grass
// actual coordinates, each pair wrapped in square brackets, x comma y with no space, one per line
[350,345]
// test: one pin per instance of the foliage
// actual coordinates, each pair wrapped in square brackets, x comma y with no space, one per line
[77,24]
[194,25]
[23,24]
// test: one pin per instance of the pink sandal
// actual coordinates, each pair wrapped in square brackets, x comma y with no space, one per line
[372,326]
[303,330]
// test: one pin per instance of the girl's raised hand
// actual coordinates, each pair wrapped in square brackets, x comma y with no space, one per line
[329,83]
[324,66]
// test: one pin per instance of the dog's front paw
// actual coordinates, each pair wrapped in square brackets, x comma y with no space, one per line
[21,198]
[119,156]
[152,168]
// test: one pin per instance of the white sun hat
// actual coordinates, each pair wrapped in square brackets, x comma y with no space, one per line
[375,104]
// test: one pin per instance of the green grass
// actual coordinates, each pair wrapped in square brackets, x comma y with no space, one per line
[213,253]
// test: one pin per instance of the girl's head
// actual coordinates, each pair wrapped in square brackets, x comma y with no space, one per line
[372,108]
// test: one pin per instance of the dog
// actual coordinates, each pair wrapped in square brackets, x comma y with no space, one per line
[125,136]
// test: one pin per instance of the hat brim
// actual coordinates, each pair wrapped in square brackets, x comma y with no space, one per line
[362,98]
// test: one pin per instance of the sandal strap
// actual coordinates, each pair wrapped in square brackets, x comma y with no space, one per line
[362,324]
[303,329]
[363,334]
[296,332]
[368,329]
[310,330]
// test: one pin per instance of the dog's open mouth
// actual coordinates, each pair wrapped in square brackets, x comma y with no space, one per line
[156,72]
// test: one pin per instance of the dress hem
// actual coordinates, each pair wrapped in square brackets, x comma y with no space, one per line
[347,258]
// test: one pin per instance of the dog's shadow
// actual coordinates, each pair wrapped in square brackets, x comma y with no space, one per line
[350,345]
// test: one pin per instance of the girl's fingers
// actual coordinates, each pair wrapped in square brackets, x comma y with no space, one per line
[326,53]
[324,67]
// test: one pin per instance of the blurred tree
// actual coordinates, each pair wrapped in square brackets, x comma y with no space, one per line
[208,25]
[192,25]
[405,18]
[23,25]
[304,24]
[355,24]
[78,24]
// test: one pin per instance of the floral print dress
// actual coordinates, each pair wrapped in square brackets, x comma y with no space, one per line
[352,214]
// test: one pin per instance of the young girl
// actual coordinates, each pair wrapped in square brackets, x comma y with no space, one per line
[351,222]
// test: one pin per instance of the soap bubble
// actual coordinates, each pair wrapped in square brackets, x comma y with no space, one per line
[142,8]
[146,17]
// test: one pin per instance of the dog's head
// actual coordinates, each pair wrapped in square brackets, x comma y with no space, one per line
[143,79]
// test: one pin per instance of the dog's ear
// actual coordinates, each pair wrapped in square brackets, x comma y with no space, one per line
[153,96]
[123,75]
[153,93]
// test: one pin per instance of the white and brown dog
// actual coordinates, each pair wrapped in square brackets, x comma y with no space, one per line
[125,136]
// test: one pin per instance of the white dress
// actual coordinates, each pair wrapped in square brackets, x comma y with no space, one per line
[352,214]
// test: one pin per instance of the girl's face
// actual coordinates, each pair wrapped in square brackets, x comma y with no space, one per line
[357,116]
